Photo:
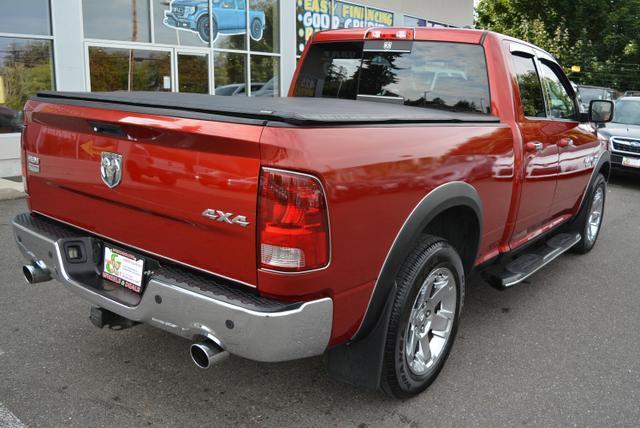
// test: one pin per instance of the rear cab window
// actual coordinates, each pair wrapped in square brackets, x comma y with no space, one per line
[442,75]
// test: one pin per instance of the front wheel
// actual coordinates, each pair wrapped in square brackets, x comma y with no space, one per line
[203,28]
[424,318]
[589,220]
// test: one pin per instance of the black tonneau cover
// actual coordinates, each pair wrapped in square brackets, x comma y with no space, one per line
[295,111]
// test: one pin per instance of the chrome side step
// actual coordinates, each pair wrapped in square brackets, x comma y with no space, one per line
[530,262]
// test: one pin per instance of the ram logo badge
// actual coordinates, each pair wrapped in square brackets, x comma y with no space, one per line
[111,169]
[224,217]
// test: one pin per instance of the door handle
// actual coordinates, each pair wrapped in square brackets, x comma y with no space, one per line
[535,146]
[567,142]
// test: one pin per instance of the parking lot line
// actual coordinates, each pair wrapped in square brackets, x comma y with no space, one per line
[8,419]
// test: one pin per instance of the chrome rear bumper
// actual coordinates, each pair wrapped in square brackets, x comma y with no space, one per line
[184,303]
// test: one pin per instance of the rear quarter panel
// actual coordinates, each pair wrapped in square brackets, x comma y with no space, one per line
[374,177]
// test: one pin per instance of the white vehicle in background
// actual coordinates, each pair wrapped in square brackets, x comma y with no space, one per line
[589,93]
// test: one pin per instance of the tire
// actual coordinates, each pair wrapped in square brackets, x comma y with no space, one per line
[203,29]
[257,30]
[588,222]
[432,260]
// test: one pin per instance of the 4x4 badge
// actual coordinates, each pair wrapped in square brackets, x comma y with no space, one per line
[111,169]
[224,217]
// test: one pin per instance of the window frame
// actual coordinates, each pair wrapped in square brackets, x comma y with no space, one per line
[414,42]
[566,84]
[536,66]
[539,57]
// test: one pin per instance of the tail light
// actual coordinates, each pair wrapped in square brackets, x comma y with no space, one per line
[293,230]
[23,154]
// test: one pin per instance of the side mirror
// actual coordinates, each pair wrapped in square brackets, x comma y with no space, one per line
[601,111]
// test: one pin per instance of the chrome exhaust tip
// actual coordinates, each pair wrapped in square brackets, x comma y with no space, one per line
[35,274]
[206,354]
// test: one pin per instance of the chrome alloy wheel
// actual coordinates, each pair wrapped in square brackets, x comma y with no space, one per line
[431,321]
[595,216]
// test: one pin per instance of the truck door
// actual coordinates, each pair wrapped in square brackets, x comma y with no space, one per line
[540,151]
[577,143]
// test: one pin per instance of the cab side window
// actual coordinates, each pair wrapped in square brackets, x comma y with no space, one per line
[561,104]
[531,95]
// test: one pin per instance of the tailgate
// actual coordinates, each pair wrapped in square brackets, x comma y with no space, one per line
[172,171]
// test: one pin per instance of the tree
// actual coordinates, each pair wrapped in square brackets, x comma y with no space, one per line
[601,36]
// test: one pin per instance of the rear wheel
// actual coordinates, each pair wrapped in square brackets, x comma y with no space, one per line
[257,29]
[424,318]
[589,220]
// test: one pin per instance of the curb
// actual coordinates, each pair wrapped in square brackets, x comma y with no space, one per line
[10,190]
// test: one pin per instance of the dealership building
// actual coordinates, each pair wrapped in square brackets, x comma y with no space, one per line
[241,48]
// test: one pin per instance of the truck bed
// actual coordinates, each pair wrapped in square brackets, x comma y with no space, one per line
[262,110]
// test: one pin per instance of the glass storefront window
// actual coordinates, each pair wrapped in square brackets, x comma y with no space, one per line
[311,16]
[347,15]
[116,20]
[379,18]
[116,69]
[193,73]
[229,24]
[25,68]
[230,71]
[181,22]
[26,17]
[264,25]
[265,72]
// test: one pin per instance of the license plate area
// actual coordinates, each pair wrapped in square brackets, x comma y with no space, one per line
[631,162]
[123,268]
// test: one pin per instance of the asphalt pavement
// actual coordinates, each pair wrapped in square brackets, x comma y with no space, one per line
[562,349]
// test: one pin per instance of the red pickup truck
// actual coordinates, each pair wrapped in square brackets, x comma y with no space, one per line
[344,219]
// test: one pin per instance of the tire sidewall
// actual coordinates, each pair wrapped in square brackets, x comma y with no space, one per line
[599,183]
[202,25]
[445,257]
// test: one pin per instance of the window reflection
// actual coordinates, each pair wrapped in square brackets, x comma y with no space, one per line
[230,73]
[193,73]
[116,20]
[265,71]
[26,17]
[114,69]
[531,95]
[264,25]
[25,68]
[561,105]
[446,76]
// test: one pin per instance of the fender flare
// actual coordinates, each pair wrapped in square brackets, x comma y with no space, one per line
[436,202]
[359,362]
[605,159]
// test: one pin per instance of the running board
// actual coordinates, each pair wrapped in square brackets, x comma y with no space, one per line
[530,262]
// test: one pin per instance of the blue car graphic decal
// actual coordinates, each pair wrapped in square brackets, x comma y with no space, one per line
[229,18]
